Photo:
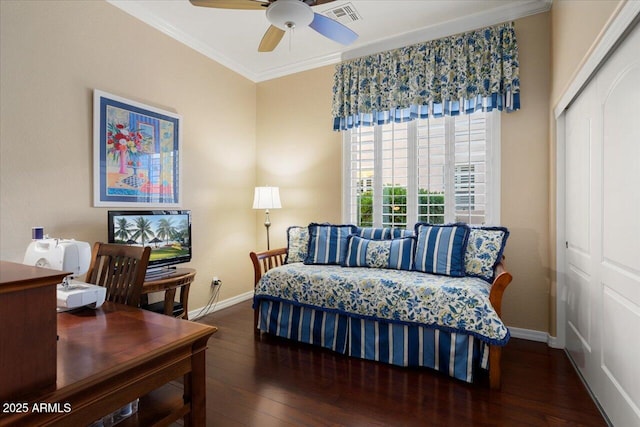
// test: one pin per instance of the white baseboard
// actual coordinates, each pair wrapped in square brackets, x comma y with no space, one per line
[199,312]
[533,335]
[554,342]
[529,334]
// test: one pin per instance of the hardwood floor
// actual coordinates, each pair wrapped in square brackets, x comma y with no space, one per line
[266,381]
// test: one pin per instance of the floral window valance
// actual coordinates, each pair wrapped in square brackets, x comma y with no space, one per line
[477,70]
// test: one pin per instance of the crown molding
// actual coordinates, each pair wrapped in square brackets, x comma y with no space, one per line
[455,26]
[297,67]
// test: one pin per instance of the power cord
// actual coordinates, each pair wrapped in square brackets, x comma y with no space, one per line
[210,306]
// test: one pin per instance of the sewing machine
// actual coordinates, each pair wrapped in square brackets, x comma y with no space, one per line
[72,256]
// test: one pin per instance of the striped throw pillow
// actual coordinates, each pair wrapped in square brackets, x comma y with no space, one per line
[328,243]
[383,233]
[396,253]
[440,249]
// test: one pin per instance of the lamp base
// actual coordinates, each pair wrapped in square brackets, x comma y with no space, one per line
[267,224]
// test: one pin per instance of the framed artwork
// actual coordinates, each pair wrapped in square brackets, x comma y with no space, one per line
[136,152]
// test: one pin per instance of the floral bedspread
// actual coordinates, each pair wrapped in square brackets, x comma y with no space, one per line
[456,304]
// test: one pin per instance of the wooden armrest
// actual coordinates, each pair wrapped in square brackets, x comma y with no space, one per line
[500,283]
[265,261]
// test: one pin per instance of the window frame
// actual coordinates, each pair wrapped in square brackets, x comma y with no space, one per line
[493,172]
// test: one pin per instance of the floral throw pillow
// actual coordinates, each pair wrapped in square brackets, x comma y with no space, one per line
[297,244]
[484,251]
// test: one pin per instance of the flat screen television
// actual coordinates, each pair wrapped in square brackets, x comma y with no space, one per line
[166,232]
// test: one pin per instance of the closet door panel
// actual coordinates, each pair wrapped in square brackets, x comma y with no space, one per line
[620,390]
[580,123]
[618,82]
[621,164]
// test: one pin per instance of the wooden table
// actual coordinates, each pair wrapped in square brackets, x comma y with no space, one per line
[111,356]
[168,282]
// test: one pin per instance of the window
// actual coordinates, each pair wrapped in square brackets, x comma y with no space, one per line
[465,190]
[437,170]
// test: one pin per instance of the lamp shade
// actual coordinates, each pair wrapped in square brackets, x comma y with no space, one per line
[266,198]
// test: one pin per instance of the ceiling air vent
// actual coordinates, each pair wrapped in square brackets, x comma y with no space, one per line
[344,14]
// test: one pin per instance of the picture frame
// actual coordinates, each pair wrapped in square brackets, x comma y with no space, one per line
[137,154]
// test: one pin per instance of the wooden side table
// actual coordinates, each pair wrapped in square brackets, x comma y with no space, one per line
[169,283]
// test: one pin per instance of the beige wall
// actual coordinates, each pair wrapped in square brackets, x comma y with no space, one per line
[524,195]
[298,151]
[575,25]
[53,54]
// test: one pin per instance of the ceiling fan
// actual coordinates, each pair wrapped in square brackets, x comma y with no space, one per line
[285,15]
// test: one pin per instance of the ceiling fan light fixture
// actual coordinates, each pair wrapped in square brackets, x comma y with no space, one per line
[287,14]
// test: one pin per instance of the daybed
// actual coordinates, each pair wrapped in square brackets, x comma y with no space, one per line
[429,297]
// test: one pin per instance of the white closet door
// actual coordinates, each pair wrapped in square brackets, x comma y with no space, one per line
[602,175]
[582,192]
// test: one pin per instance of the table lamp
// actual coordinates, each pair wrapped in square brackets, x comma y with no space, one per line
[267,198]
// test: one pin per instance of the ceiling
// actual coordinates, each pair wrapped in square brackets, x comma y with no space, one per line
[231,37]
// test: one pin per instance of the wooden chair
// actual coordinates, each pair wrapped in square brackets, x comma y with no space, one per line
[120,269]
[169,306]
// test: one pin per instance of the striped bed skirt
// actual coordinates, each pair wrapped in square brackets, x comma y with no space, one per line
[455,354]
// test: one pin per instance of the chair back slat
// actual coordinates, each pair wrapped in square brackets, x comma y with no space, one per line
[121,269]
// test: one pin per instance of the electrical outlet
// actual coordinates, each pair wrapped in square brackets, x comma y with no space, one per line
[215,282]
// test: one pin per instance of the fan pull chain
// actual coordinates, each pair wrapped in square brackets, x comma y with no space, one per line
[291,38]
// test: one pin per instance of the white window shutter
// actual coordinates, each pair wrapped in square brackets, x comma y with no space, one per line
[429,170]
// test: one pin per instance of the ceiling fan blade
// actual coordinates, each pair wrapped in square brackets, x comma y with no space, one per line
[270,39]
[333,29]
[231,4]
[317,2]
